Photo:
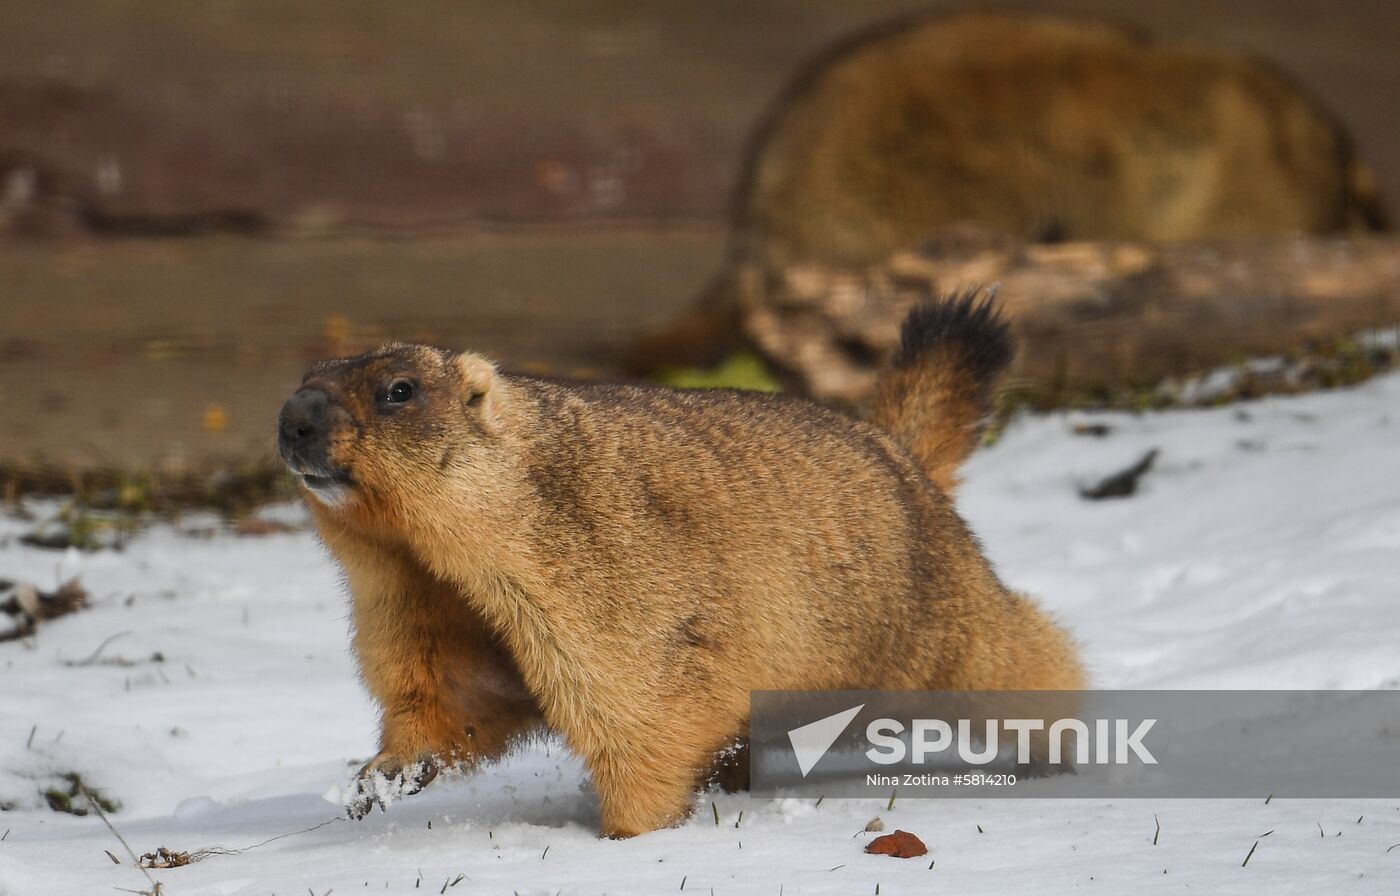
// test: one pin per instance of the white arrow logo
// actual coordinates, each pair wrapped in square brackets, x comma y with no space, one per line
[811,741]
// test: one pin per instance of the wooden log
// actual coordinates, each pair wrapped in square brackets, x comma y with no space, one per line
[1093,319]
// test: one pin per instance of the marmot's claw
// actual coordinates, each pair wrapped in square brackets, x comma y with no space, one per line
[360,804]
[416,775]
[365,795]
[385,778]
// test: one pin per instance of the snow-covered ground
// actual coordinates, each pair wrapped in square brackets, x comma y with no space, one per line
[1263,551]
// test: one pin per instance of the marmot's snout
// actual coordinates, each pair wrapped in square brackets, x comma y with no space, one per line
[301,429]
[303,440]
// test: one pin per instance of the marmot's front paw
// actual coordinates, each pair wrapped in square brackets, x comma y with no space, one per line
[385,778]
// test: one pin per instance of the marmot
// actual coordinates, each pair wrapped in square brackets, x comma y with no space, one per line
[625,563]
[1038,128]
[1027,126]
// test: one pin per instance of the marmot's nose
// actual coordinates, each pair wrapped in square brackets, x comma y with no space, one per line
[303,417]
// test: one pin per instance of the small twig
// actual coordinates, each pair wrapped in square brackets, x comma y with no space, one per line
[314,827]
[98,652]
[162,856]
[1158,832]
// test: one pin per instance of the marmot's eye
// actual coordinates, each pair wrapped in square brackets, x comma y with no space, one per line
[399,392]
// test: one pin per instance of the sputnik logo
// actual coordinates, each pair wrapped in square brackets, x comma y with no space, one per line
[811,741]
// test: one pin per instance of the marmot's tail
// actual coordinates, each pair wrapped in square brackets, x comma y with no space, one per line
[938,394]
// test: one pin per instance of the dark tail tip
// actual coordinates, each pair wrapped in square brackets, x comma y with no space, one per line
[970,325]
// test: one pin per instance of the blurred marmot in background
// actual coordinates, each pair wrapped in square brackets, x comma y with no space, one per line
[1026,126]
[1040,129]
[624,564]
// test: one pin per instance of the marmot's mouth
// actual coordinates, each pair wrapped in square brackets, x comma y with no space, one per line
[318,477]
[317,482]
[330,490]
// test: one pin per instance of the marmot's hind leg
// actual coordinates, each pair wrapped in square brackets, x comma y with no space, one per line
[638,793]
[648,779]
[1018,649]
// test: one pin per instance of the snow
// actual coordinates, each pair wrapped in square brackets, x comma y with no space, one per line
[1261,551]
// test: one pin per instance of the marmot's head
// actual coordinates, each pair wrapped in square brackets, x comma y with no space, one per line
[371,427]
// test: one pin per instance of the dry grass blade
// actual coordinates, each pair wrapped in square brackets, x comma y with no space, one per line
[1251,854]
[155,889]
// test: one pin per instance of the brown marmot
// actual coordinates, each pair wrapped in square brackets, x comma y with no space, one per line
[1028,126]
[625,563]
[1038,127]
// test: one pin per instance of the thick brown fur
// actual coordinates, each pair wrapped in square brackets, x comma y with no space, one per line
[624,564]
[1029,126]
[1038,127]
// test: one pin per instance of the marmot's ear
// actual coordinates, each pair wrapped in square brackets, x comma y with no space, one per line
[478,388]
